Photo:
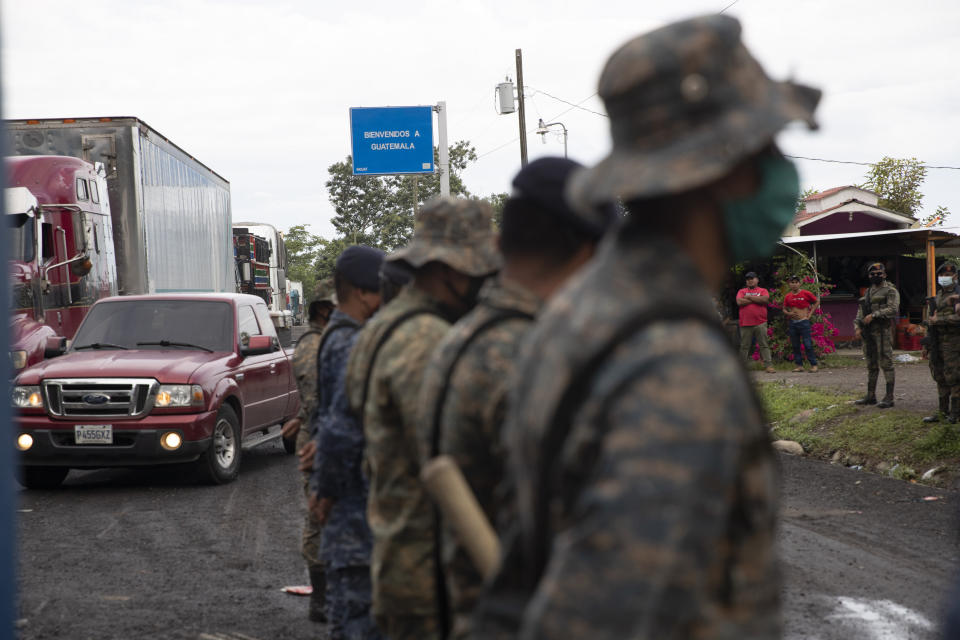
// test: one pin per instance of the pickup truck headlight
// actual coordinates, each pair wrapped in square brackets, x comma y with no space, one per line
[27,397]
[18,359]
[179,395]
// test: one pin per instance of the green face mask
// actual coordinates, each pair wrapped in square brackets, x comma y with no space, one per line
[754,224]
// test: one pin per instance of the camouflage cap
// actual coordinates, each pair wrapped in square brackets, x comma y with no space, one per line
[686,102]
[455,231]
[326,291]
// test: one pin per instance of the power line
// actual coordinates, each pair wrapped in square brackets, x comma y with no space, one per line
[573,105]
[729,5]
[865,164]
[577,106]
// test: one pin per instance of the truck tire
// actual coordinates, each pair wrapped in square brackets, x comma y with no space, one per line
[42,477]
[220,463]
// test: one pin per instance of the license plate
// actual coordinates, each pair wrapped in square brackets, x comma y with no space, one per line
[93,433]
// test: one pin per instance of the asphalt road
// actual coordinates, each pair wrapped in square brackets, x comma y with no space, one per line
[146,554]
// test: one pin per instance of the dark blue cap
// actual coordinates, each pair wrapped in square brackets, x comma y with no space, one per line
[542,183]
[360,266]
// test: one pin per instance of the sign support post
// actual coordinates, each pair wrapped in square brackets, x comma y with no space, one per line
[444,163]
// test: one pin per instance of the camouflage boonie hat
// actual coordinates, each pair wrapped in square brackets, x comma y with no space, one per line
[686,102]
[326,291]
[455,231]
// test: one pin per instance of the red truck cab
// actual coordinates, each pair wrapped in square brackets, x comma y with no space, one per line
[59,234]
[156,379]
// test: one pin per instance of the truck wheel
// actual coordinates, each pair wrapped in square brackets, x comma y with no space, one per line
[220,463]
[42,477]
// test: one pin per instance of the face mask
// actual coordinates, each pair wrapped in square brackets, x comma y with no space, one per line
[754,224]
[877,278]
[945,281]
[467,300]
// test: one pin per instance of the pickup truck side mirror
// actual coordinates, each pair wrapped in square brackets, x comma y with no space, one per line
[256,345]
[55,346]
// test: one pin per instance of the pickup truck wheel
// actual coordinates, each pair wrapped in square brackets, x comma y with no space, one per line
[42,477]
[220,463]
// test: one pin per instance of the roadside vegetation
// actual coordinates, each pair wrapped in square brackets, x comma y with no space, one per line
[828,425]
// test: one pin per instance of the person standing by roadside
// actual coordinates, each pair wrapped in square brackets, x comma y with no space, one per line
[297,429]
[451,254]
[338,487]
[753,301]
[799,305]
[463,397]
[944,351]
[876,313]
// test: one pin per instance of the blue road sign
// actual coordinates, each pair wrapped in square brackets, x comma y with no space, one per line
[390,140]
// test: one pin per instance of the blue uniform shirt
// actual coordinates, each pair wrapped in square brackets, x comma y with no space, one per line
[337,469]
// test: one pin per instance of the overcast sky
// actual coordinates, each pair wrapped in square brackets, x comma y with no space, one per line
[260,90]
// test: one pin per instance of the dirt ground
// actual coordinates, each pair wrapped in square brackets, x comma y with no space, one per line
[914,390]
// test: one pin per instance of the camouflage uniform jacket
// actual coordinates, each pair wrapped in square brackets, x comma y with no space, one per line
[884,304]
[661,502]
[305,371]
[399,511]
[337,466]
[946,312]
[474,408]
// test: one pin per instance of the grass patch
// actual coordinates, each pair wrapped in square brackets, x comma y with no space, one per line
[830,361]
[827,422]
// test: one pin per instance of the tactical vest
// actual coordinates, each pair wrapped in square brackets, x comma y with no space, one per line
[536,542]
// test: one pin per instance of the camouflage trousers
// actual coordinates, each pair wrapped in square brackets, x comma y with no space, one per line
[945,361]
[878,349]
[409,627]
[348,605]
[310,545]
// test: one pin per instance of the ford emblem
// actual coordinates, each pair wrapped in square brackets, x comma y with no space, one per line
[96,398]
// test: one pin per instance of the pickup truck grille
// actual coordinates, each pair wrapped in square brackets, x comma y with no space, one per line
[102,398]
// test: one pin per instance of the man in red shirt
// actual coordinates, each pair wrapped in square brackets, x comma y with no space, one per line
[798,305]
[753,301]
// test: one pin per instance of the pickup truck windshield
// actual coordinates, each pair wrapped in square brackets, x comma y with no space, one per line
[20,242]
[125,323]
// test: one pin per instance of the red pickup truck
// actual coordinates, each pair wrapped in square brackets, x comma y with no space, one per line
[155,379]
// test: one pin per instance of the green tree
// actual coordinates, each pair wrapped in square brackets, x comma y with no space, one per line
[302,247]
[897,181]
[801,199]
[379,210]
[937,218]
[497,200]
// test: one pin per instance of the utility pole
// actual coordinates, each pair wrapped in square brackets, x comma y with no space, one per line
[444,150]
[521,111]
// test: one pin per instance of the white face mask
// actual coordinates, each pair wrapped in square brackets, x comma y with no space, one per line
[945,281]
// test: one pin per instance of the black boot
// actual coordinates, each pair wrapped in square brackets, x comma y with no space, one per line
[944,410]
[318,599]
[954,410]
[887,401]
[871,397]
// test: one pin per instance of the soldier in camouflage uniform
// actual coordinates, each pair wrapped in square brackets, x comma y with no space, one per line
[338,486]
[646,485]
[876,314]
[305,372]
[944,352]
[463,396]
[452,251]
